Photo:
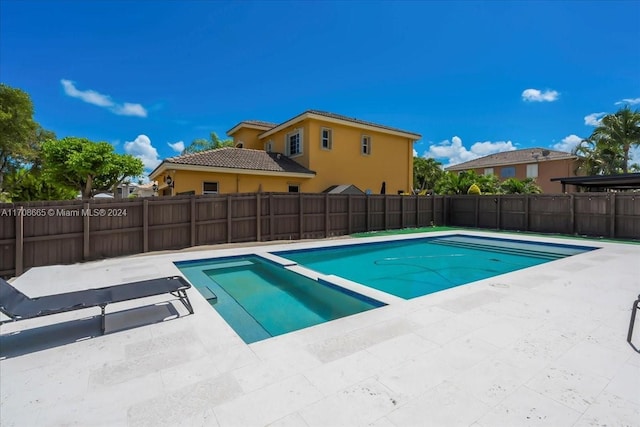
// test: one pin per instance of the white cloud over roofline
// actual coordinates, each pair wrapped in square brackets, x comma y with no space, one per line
[142,148]
[96,98]
[454,152]
[178,146]
[568,143]
[536,95]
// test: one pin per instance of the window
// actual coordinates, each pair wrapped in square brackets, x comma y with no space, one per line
[365,145]
[240,144]
[294,188]
[209,188]
[268,146]
[488,171]
[508,172]
[294,143]
[532,170]
[325,138]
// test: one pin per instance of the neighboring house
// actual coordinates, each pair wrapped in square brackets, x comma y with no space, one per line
[310,153]
[538,163]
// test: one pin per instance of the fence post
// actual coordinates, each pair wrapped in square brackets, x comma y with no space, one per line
[612,216]
[271,217]
[145,225]
[326,215]
[498,208]
[349,214]
[445,209]
[526,212]
[477,207]
[402,211]
[386,211]
[86,247]
[417,211]
[572,214]
[433,210]
[229,223]
[300,214]
[193,220]
[368,213]
[19,265]
[258,219]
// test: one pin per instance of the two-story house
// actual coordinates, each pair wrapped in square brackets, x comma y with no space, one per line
[311,152]
[540,164]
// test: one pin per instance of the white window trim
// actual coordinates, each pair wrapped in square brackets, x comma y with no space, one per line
[488,171]
[211,192]
[536,168]
[329,139]
[362,145]
[268,146]
[300,133]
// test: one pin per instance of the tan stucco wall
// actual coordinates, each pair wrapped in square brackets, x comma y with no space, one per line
[546,170]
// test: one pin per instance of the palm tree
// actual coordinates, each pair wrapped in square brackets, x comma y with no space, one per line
[620,130]
[599,157]
[202,144]
[426,172]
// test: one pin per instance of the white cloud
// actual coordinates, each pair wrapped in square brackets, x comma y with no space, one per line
[536,95]
[454,152]
[593,119]
[141,148]
[415,153]
[88,96]
[568,143]
[634,155]
[129,109]
[96,98]
[629,101]
[179,146]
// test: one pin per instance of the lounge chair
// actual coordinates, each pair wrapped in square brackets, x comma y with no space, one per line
[634,308]
[18,306]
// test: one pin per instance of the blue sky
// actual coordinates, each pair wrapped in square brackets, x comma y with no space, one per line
[472,78]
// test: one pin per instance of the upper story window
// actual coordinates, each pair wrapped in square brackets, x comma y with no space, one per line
[268,146]
[294,143]
[488,171]
[365,145]
[326,137]
[210,188]
[239,144]
[508,172]
[532,170]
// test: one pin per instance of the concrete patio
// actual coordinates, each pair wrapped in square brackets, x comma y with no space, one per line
[544,346]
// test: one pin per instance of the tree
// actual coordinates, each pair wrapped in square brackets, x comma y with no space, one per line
[620,132]
[202,144]
[453,183]
[87,166]
[599,157]
[17,130]
[516,186]
[426,172]
[30,184]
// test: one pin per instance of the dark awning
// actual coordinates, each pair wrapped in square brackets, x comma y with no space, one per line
[624,181]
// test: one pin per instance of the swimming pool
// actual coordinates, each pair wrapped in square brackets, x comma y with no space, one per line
[260,299]
[415,267]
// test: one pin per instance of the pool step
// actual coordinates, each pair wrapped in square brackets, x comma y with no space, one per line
[515,251]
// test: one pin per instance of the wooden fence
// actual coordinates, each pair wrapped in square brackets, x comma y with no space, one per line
[64,232]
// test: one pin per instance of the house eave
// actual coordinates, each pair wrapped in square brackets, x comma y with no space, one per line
[168,166]
[307,115]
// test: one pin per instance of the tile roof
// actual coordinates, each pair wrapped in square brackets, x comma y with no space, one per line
[241,158]
[527,155]
[260,123]
[354,120]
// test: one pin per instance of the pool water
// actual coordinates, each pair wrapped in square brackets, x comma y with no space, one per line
[415,267]
[259,299]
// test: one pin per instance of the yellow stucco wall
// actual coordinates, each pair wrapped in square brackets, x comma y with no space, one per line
[185,181]
[390,161]
[249,138]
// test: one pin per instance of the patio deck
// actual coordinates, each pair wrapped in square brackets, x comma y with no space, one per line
[545,346]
